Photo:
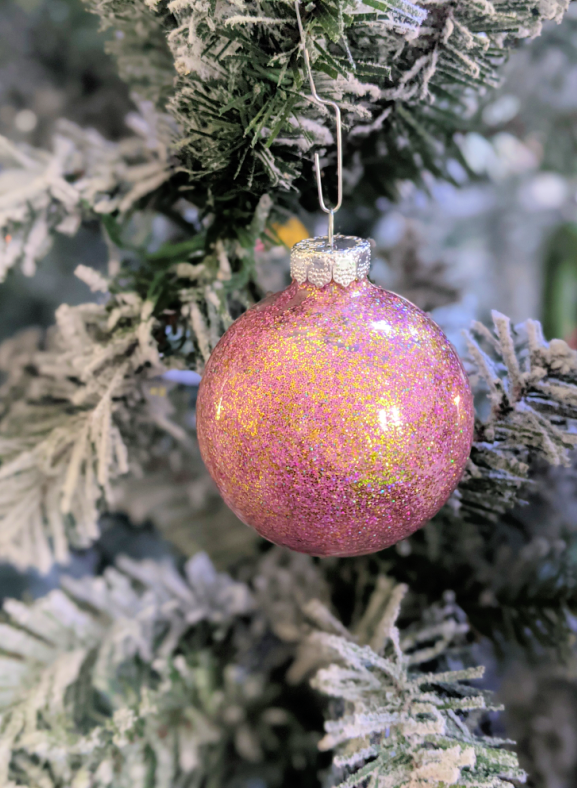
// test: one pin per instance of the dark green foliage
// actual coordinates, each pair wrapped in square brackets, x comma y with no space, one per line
[404,75]
[560,296]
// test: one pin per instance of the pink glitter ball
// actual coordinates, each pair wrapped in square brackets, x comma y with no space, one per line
[335,420]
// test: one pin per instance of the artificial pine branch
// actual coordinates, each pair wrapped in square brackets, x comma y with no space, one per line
[128,678]
[402,72]
[68,413]
[396,724]
[148,676]
[531,386]
[85,176]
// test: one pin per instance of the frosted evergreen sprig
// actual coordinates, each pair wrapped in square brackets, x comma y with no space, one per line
[130,679]
[71,413]
[147,676]
[139,45]
[404,74]
[43,193]
[531,386]
[68,413]
[395,725]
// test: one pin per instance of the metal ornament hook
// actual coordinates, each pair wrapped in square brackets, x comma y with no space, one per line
[315,98]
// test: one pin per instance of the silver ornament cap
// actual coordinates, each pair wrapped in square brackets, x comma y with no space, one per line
[314,260]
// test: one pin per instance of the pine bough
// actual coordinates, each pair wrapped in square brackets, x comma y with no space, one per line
[146,676]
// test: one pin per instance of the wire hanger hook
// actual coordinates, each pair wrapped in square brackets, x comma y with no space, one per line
[315,98]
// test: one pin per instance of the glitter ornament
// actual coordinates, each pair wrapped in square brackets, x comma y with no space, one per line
[335,417]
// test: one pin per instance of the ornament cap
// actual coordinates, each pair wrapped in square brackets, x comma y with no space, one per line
[314,260]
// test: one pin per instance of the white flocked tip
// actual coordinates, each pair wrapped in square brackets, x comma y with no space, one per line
[314,260]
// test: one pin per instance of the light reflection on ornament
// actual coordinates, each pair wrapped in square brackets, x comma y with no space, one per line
[383,326]
[390,417]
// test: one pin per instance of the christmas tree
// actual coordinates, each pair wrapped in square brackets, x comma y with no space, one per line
[219,660]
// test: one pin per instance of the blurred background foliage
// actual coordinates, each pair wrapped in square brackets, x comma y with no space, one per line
[506,240]
[53,65]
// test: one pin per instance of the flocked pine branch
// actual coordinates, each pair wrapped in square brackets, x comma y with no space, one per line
[150,676]
[146,676]
[68,412]
[531,386]
[404,73]
[42,193]
[196,278]
[395,724]
[129,678]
